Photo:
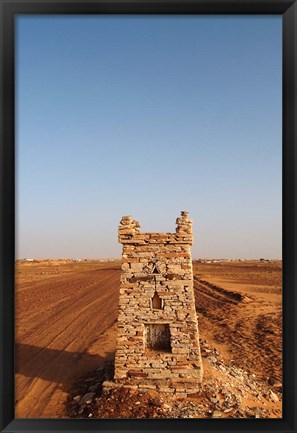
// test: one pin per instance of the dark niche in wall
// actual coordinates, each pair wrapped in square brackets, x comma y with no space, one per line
[158,337]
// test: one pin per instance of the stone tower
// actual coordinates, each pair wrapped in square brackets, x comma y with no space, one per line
[158,340]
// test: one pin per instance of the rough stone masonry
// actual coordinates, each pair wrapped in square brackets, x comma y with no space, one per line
[158,340]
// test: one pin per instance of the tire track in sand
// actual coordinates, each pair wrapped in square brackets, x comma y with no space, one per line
[60,328]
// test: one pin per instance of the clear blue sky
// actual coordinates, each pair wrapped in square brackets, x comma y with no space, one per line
[148,116]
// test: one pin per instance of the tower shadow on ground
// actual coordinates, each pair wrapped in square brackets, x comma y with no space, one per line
[57,366]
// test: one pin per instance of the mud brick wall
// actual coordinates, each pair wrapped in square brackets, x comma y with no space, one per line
[158,342]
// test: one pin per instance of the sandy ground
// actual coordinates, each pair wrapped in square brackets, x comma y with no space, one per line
[66,316]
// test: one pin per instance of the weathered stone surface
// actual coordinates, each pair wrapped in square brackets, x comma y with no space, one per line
[157,326]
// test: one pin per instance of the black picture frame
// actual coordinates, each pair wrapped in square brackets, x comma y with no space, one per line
[11,8]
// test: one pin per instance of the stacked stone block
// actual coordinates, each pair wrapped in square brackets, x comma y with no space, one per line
[158,341]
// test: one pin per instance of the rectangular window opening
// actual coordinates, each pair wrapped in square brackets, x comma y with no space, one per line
[157,337]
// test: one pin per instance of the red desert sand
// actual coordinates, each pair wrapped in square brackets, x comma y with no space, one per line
[66,324]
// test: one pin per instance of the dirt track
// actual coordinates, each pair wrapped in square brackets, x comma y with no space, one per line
[66,323]
[62,315]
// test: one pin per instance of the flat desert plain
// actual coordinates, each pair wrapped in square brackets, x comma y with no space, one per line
[66,322]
